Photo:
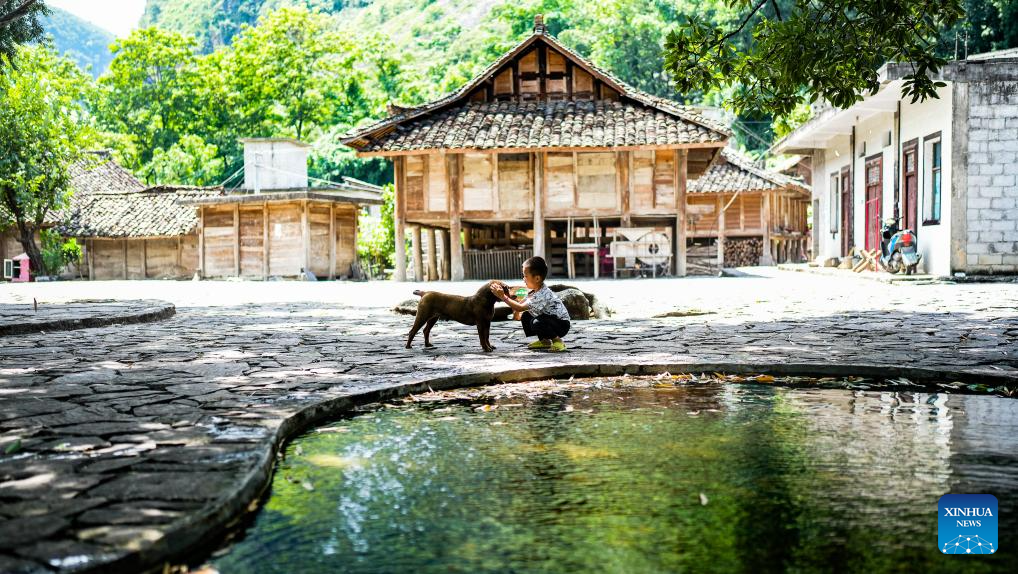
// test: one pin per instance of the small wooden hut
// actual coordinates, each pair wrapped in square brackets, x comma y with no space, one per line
[749,215]
[276,225]
[144,234]
[540,143]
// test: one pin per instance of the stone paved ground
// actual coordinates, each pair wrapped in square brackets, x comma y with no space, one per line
[122,445]
[30,317]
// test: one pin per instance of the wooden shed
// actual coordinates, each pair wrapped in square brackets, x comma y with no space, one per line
[145,234]
[279,234]
[541,150]
[96,173]
[747,214]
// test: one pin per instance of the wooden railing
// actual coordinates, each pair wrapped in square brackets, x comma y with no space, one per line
[495,263]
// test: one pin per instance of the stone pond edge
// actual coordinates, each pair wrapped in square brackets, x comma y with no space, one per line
[196,536]
[148,314]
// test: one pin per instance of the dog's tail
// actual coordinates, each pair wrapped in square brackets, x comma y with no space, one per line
[419,293]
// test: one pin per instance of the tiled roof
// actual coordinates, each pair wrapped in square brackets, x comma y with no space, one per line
[153,212]
[361,138]
[543,124]
[735,172]
[100,174]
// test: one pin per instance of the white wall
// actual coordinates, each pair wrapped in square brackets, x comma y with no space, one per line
[828,162]
[280,165]
[918,121]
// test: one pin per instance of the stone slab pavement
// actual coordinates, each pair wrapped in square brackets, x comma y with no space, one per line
[29,317]
[127,446]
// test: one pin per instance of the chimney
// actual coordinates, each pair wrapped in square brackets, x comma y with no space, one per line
[539,27]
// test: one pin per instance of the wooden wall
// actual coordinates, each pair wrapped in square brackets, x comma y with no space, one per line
[541,72]
[142,258]
[500,186]
[268,240]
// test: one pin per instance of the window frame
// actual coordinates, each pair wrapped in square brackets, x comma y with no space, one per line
[834,197]
[928,171]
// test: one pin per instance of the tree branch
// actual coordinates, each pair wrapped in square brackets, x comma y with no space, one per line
[18,12]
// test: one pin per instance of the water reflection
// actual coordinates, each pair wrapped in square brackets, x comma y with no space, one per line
[615,481]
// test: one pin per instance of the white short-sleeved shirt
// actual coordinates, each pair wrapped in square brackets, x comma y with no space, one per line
[544,301]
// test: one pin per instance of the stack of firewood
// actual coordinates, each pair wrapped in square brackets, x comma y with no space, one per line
[743,252]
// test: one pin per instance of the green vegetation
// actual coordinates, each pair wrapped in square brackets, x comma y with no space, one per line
[42,132]
[20,22]
[810,50]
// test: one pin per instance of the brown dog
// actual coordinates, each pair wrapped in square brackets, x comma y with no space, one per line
[474,310]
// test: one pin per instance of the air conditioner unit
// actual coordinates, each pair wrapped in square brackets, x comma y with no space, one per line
[8,269]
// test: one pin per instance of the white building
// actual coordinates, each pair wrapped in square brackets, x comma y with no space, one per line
[947,166]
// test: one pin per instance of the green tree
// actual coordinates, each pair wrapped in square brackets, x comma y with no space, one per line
[43,130]
[296,75]
[190,161]
[828,49]
[20,23]
[149,90]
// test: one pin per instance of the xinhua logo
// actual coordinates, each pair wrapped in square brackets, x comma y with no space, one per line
[967,524]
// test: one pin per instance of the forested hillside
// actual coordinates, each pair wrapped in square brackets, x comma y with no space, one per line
[180,93]
[86,44]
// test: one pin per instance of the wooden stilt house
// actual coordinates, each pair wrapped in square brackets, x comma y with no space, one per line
[539,152]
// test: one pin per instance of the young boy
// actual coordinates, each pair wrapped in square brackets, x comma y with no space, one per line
[543,313]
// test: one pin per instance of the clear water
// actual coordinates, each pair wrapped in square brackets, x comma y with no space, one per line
[705,478]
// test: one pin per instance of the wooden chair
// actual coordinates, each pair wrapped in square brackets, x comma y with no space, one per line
[591,246]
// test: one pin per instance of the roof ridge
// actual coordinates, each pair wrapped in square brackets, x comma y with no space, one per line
[741,161]
[624,89]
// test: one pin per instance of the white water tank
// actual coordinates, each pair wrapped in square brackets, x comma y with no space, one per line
[275,164]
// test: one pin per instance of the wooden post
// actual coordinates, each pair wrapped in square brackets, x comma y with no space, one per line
[399,219]
[681,164]
[236,240]
[91,259]
[201,242]
[144,259]
[432,253]
[265,240]
[622,170]
[455,193]
[332,239]
[444,238]
[305,232]
[767,258]
[125,257]
[180,249]
[415,243]
[721,233]
[539,229]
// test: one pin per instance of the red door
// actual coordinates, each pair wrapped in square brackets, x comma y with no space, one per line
[874,189]
[910,209]
[846,211]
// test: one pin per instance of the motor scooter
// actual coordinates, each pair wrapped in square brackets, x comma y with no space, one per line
[898,249]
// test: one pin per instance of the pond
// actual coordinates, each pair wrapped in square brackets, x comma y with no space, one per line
[621,475]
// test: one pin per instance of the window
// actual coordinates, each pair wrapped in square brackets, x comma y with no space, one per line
[835,199]
[932,179]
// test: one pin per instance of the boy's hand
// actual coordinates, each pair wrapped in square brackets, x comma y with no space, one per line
[497,290]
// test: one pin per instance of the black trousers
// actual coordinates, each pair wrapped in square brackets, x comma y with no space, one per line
[544,326]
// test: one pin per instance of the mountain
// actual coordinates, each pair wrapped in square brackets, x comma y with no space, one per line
[85,43]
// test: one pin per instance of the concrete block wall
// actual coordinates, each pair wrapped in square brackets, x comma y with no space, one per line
[991,214]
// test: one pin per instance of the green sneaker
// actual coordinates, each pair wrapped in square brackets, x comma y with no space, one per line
[539,345]
[557,347]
